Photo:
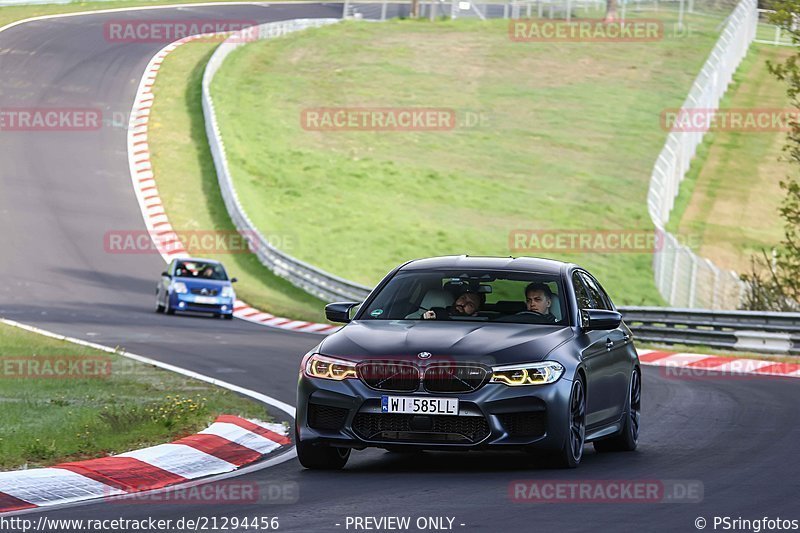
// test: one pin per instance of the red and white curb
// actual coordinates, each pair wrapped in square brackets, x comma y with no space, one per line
[158,226]
[226,445]
[695,364]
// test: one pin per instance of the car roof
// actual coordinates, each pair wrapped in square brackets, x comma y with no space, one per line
[524,264]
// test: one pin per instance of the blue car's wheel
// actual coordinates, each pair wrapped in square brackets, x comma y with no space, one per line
[169,310]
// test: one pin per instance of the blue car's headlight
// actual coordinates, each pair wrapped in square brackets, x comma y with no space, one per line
[227,292]
[179,287]
[527,374]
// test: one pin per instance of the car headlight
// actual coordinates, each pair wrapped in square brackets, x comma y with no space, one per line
[320,366]
[527,374]
[227,292]
[179,287]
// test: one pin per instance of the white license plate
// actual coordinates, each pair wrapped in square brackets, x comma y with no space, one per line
[206,300]
[419,405]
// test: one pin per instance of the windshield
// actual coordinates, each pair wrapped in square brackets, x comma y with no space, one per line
[470,295]
[200,270]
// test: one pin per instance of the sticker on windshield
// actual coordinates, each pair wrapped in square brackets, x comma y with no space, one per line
[376,313]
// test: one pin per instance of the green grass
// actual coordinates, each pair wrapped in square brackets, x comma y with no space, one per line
[571,136]
[188,186]
[736,175]
[50,420]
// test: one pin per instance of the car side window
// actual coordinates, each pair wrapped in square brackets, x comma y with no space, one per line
[603,293]
[599,299]
[581,294]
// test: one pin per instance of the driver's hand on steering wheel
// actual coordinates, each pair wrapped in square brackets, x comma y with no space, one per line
[427,315]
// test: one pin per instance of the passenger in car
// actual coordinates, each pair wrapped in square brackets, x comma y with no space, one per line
[538,299]
[468,304]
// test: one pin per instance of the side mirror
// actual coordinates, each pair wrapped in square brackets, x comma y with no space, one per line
[600,319]
[339,311]
[234,280]
[165,274]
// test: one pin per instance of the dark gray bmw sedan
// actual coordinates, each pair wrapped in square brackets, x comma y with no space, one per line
[465,353]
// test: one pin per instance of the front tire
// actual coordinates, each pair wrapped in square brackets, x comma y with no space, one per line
[169,310]
[321,457]
[628,438]
[571,453]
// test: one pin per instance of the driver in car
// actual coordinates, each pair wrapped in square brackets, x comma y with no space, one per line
[538,299]
[468,304]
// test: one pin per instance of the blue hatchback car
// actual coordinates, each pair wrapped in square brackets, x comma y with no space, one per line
[198,285]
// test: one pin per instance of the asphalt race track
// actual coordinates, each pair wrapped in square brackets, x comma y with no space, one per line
[60,192]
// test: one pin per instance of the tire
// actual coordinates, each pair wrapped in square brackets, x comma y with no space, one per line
[228,317]
[169,310]
[159,307]
[321,457]
[628,438]
[571,453]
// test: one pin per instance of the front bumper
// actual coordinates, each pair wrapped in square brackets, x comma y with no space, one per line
[347,413]
[187,302]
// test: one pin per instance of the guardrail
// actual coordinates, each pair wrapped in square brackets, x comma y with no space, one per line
[752,331]
[311,279]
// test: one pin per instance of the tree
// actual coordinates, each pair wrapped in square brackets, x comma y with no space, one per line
[773,284]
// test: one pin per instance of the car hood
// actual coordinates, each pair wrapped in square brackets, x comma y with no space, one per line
[198,283]
[491,343]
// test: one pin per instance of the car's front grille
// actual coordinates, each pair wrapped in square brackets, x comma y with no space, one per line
[436,378]
[530,424]
[326,417]
[204,306]
[205,292]
[389,376]
[421,429]
[454,378]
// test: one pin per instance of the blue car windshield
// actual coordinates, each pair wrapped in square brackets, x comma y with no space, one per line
[199,270]
[470,295]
